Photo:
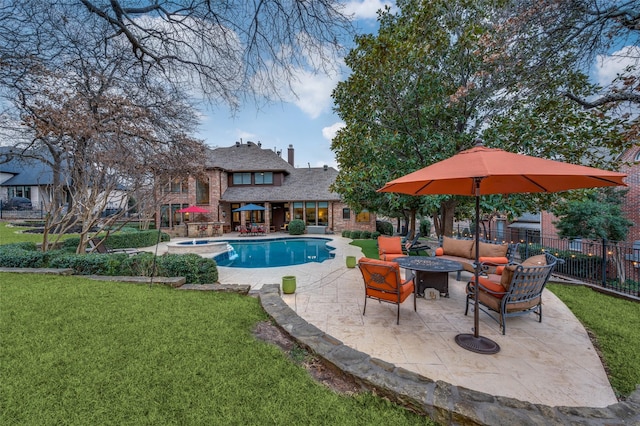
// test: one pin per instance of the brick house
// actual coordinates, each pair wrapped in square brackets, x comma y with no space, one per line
[246,173]
[631,205]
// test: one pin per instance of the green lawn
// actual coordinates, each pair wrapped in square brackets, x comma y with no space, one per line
[614,322]
[75,351]
[10,233]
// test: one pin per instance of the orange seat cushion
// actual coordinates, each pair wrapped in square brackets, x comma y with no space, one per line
[499,270]
[405,289]
[496,288]
[495,260]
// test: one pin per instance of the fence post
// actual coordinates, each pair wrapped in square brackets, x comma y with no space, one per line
[526,246]
[604,262]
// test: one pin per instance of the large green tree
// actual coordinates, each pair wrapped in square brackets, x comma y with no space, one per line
[402,104]
[432,80]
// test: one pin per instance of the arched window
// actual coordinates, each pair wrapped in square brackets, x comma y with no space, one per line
[637,157]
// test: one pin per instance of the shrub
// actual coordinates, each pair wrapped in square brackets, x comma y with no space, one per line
[346,234]
[22,255]
[90,264]
[129,239]
[196,269]
[296,227]
[425,227]
[356,235]
[140,265]
[384,228]
[366,235]
[375,235]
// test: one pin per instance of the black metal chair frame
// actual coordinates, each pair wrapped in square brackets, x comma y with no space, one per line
[389,283]
[527,284]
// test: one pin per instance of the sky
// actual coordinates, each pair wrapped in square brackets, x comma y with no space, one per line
[306,121]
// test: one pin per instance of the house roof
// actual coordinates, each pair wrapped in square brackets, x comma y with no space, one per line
[302,184]
[26,171]
[247,157]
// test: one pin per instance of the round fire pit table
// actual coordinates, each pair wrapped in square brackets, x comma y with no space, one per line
[430,272]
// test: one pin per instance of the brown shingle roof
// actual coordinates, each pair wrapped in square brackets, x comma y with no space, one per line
[247,157]
[303,184]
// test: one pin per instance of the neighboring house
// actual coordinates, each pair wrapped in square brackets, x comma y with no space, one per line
[32,178]
[246,173]
[24,177]
[631,204]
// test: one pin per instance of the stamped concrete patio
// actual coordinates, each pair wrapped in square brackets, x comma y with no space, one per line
[551,363]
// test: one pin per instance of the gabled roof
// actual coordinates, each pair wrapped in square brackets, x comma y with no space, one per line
[26,171]
[247,157]
[302,184]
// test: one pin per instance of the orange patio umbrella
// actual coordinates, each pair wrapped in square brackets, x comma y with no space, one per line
[482,171]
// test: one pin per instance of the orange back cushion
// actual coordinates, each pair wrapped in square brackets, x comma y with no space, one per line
[389,244]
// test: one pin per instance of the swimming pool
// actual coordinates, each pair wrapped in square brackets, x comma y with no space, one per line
[275,252]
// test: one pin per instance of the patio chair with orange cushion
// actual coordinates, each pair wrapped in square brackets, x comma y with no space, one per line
[389,248]
[517,291]
[382,281]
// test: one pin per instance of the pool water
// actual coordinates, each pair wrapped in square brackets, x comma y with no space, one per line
[275,252]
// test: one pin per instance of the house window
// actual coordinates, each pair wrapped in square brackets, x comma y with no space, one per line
[242,178]
[346,213]
[363,216]
[323,213]
[575,244]
[179,186]
[637,159]
[311,213]
[19,191]
[298,211]
[264,178]
[202,192]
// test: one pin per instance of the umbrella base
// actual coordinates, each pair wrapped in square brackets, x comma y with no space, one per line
[480,344]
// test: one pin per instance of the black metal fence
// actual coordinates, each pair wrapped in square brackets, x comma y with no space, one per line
[9,214]
[608,264]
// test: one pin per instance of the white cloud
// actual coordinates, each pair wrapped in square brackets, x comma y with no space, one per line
[244,135]
[367,9]
[609,66]
[312,92]
[330,132]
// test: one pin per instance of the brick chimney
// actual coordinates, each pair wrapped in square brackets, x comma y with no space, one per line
[290,155]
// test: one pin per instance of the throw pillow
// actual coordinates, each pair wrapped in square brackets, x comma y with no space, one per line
[454,247]
[507,275]
[439,251]
[539,260]
[490,250]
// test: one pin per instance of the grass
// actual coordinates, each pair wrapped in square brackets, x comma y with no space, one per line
[614,323]
[75,351]
[10,233]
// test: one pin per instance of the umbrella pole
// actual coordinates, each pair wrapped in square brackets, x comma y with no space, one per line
[474,342]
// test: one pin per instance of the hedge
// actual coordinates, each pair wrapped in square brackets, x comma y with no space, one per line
[130,239]
[196,269]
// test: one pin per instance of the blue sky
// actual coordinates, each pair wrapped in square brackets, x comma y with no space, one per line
[306,121]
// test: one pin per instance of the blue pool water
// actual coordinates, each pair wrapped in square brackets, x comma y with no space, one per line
[275,252]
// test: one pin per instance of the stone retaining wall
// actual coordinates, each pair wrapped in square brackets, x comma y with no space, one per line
[443,402]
